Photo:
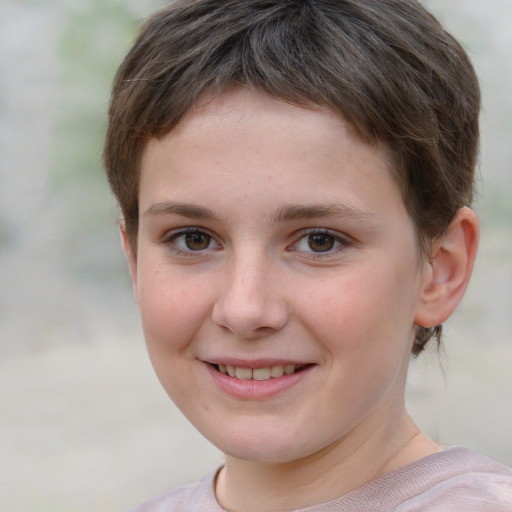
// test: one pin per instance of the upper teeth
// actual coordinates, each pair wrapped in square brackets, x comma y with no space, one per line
[258,373]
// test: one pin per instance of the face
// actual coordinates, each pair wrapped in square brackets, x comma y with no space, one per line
[277,275]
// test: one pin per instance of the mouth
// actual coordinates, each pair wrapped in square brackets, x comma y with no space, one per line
[259,374]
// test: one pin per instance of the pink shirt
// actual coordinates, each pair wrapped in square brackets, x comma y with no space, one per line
[456,479]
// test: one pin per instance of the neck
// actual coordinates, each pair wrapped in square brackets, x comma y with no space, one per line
[334,471]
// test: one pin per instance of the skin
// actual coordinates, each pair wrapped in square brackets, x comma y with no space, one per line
[264,185]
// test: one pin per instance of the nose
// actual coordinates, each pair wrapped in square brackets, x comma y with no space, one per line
[250,303]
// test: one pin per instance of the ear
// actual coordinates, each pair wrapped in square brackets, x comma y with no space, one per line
[446,274]
[131,258]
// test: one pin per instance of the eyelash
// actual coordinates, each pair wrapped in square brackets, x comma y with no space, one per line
[171,238]
[340,242]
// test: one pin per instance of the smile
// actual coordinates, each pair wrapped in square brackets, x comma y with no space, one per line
[257,380]
[259,374]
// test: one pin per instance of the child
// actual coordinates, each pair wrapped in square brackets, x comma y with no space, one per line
[294,179]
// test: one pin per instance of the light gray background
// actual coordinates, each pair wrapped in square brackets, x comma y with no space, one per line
[84,424]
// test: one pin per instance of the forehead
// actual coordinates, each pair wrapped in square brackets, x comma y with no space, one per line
[247,143]
[243,103]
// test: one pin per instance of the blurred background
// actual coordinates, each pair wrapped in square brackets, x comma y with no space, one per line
[84,425]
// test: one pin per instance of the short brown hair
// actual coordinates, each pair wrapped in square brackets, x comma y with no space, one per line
[386,66]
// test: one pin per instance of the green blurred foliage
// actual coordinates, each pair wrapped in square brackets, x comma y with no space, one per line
[94,38]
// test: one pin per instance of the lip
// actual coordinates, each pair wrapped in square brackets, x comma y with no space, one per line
[253,389]
[254,363]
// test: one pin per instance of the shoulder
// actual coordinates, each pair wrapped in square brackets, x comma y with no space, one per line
[454,479]
[468,481]
[194,497]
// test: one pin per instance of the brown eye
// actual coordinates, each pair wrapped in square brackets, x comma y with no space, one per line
[321,242]
[191,242]
[197,241]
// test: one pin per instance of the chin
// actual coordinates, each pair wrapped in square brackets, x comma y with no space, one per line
[263,454]
[263,446]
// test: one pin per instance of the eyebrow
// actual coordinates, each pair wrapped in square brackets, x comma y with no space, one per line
[299,211]
[285,213]
[191,211]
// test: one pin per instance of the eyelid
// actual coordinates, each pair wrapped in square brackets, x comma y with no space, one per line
[170,236]
[344,240]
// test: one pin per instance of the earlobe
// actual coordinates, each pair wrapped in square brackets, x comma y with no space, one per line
[447,274]
[130,256]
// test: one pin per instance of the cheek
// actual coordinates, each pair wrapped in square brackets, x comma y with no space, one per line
[172,308]
[370,309]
